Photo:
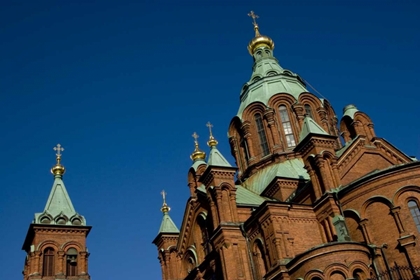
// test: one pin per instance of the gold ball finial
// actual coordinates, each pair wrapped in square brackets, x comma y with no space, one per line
[259,40]
[212,141]
[165,208]
[197,154]
[58,169]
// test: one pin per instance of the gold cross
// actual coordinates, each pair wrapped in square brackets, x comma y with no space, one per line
[209,125]
[254,17]
[163,193]
[58,149]
[195,136]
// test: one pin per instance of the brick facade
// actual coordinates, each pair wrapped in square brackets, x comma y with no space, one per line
[338,203]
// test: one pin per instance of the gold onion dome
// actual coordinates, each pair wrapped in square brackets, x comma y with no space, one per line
[212,141]
[197,154]
[165,208]
[259,40]
[58,169]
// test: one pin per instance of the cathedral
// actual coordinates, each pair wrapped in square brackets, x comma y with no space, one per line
[312,195]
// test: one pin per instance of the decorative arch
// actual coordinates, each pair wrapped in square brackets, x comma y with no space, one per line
[190,259]
[314,274]
[48,243]
[336,268]
[359,270]
[72,244]
[402,190]
[366,124]
[307,98]
[281,98]
[378,198]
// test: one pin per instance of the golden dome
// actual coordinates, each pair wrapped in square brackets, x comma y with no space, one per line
[197,154]
[212,141]
[259,40]
[58,169]
[165,208]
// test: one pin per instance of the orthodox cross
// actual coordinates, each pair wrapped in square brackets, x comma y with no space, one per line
[195,136]
[209,125]
[163,193]
[254,17]
[58,150]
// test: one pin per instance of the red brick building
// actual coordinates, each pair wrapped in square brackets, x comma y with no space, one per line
[56,240]
[311,196]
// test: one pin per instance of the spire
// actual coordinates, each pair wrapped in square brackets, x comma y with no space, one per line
[167,225]
[310,127]
[197,154]
[59,208]
[212,142]
[259,40]
[215,157]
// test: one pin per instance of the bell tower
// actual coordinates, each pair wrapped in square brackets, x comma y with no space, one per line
[56,240]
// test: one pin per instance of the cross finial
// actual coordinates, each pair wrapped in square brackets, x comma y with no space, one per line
[210,126]
[58,149]
[254,18]
[195,136]
[163,193]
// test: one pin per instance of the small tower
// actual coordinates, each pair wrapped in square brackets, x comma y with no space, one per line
[199,165]
[166,241]
[56,240]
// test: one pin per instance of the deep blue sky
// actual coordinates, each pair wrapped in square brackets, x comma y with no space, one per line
[122,85]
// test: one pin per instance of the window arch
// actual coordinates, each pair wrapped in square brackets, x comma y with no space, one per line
[415,212]
[48,262]
[287,126]
[71,262]
[261,134]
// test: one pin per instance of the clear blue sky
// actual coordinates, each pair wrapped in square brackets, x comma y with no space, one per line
[122,85]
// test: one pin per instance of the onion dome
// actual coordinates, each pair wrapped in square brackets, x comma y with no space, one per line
[197,154]
[259,40]
[58,169]
[212,141]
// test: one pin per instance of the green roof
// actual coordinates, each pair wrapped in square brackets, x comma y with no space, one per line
[59,208]
[310,127]
[292,169]
[350,110]
[217,159]
[167,225]
[243,196]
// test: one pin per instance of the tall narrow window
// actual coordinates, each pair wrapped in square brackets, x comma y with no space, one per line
[204,234]
[308,111]
[415,213]
[48,262]
[287,126]
[244,145]
[261,134]
[71,264]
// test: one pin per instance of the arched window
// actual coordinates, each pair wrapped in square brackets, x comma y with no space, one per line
[259,259]
[48,262]
[71,262]
[261,134]
[287,126]
[204,234]
[415,213]
[308,110]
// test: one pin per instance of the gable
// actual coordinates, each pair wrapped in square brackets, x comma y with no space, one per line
[365,164]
